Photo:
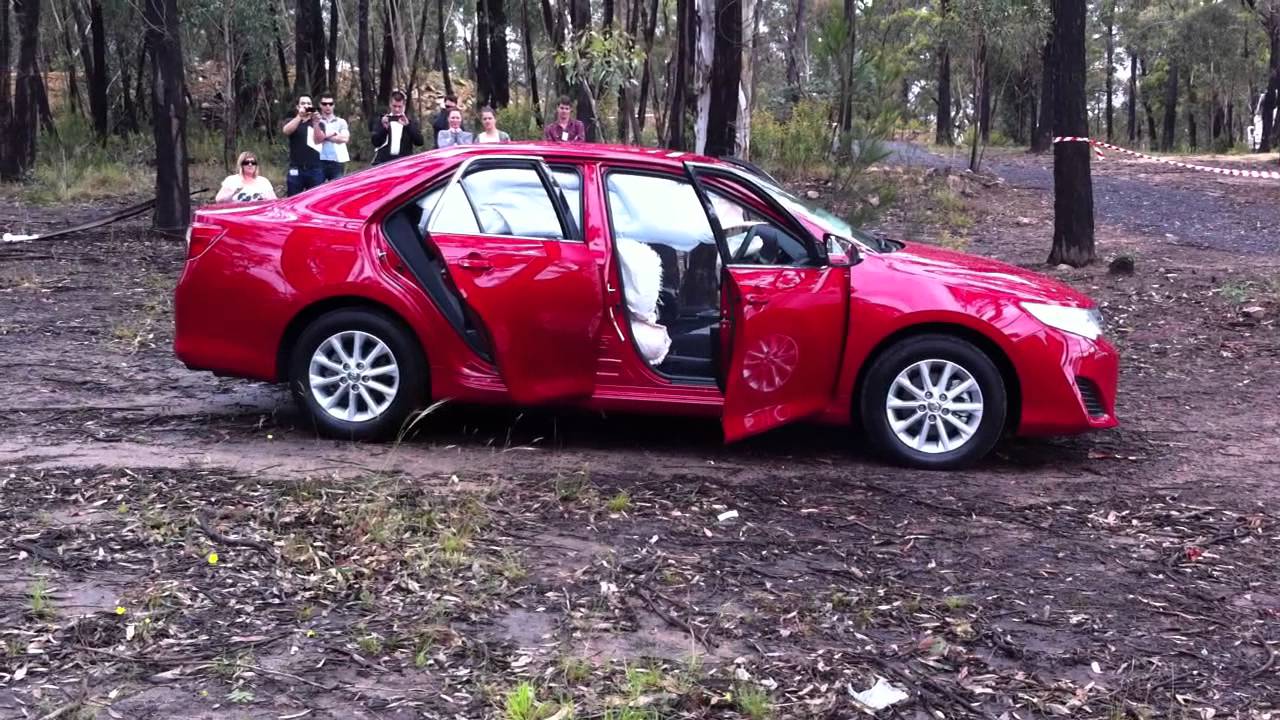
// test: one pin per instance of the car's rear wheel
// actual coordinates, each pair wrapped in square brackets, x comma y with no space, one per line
[358,373]
[934,401]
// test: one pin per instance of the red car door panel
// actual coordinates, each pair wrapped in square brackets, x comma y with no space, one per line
[783,314]
[540,299]
[786,328]
[540,302]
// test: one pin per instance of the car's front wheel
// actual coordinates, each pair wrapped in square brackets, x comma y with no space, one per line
[934,401]
[358,374]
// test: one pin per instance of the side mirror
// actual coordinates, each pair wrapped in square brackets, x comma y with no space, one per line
[840,251]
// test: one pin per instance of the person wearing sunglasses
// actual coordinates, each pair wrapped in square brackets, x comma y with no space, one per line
[333,153]
[305,137]
[246,185]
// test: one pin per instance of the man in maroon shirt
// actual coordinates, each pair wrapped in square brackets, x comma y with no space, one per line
[565,128]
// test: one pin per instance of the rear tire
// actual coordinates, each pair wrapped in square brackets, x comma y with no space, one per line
[934,402]
[358,373]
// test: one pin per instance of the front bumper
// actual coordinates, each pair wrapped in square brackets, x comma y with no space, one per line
[1068,384]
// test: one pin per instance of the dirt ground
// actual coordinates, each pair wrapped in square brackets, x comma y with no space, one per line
[173,545]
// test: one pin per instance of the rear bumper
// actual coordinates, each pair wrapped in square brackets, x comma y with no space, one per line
[1069,384]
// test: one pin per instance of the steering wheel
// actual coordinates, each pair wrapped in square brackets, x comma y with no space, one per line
[741,251]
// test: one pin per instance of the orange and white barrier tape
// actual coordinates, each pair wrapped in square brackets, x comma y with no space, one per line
[1096,144]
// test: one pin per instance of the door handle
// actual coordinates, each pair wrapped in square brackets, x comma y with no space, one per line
[475,262]
[756,300]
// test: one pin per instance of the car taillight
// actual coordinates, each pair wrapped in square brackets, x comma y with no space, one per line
[200,236]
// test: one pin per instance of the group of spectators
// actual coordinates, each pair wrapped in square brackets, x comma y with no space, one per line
[318,141]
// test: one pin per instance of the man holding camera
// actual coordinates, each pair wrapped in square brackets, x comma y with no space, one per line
[394,134]
[305,134]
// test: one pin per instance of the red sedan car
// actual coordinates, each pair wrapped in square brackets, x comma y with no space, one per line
[630,280]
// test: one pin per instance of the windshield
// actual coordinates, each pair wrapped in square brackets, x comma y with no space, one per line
[826,220]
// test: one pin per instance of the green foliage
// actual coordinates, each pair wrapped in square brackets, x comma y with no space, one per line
[753,701]
[604,60]
[794,147]
[620,502]
[519,121]
[522,704]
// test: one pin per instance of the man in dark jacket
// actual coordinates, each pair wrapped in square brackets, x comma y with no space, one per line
[394,135]
[441,121]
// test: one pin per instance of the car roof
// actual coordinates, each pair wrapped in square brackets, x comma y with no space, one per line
[411,169]
[580,151]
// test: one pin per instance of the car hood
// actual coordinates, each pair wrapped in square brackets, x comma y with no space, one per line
[978,274]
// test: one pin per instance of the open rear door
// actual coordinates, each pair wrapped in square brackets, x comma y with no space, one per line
[518,262]
[783,307]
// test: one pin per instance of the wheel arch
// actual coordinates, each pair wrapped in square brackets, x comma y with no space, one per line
[1013,386]
[308,314]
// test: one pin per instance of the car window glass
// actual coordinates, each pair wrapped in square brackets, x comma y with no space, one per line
[679,289]
[752,237]
[454,215]
[650,209]
[512,201]
[570,183]
[426,204]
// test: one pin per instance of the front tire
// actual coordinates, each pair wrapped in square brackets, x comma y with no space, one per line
[935,402]
[358,373]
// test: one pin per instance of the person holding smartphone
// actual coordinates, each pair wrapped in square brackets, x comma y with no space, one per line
[305,135]
[394,134]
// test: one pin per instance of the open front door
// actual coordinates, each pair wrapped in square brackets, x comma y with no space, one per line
[783,307]
[517,259]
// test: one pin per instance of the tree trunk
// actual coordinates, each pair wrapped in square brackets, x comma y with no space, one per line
[678,85]
[169,115]
[626,106]
[231,114]
[1072,182]
[308,48]
[1272,97]
[418,41]
[795,53]
[1191,111]
[444,51]
[1042,140]
[73,84]
[580,18]
[984,96]
[531,65]
[364,58]
[6,83]
[1133,99]
[484,86]
[275,32]
[129,113]
[499,62]
[1169,131]
[387,66]
[1111,67]
[703,59]
[646,79]
[726,76]
[21,139]
[846,65]
[943,134]
[750,10]
[333,47]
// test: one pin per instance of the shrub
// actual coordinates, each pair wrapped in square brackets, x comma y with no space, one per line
[519,121]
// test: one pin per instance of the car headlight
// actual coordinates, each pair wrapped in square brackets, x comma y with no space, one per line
[1085,322]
